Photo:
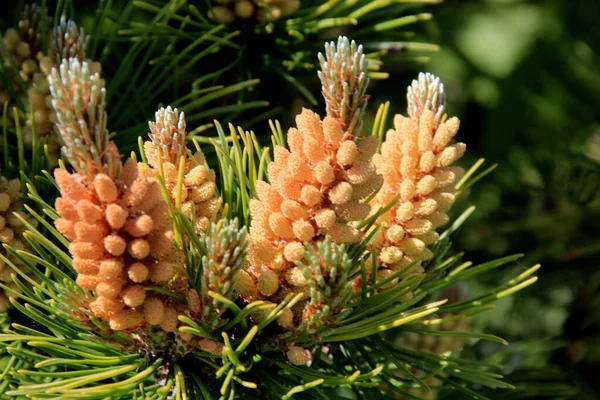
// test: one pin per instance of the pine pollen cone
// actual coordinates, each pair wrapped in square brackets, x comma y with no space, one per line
[229,11]
[198,190]
[416,163]
[121,241]
[11,234]
[21,67]
[316,188]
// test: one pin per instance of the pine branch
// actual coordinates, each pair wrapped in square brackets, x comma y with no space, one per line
[344,82]
[132,293]
[79,102]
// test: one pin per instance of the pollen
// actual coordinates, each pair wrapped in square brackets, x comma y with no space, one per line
[293,251]
[138,272]
[154,311]
[134,295]
[105,188]
[126,319]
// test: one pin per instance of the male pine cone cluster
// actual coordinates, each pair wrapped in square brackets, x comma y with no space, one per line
[20,61]
[316,190]
[11,234]
[198,192]
[416,163]
[121,232]
[30,87]
[228,11]
[121,240]
[121,235]
[66,41]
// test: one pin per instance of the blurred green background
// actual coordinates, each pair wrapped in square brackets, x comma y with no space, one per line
[524,78]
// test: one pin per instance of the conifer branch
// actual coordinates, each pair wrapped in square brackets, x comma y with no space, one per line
[226,250]
[68,41]
[344,83]
[327,269]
